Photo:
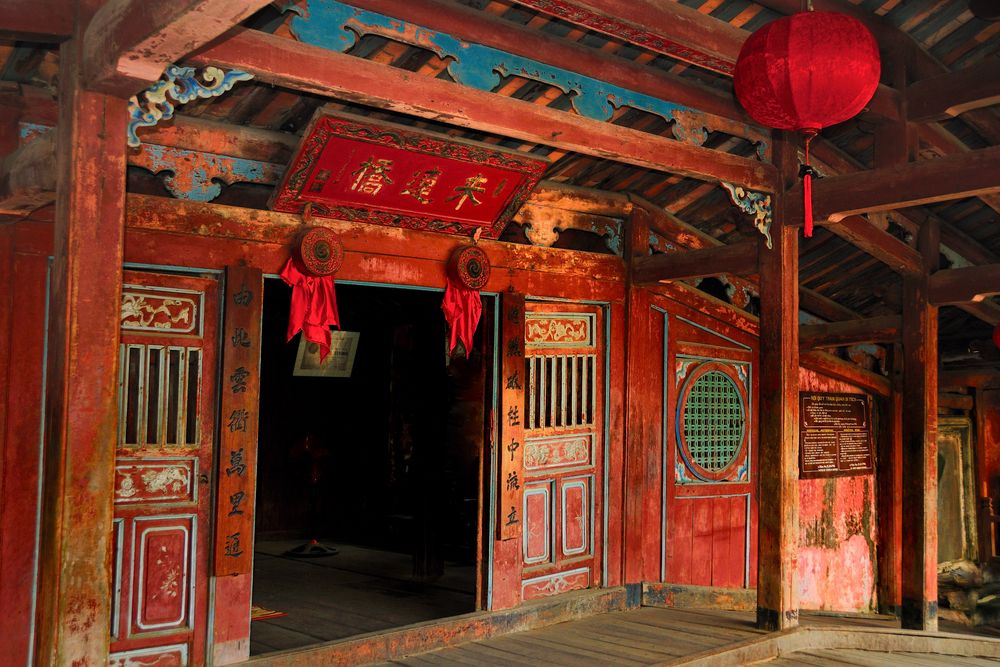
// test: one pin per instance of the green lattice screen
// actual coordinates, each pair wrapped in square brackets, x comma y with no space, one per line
[714,421]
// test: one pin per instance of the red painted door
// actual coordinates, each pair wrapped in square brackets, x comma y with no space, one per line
[163,465]
[709,436]
[562,498]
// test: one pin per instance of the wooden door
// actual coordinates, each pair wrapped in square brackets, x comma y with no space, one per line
[163,465]
[564,448]
[710,513]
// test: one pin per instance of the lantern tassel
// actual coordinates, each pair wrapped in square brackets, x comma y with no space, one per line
[807,172]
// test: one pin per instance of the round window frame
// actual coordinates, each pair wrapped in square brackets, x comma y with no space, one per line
[700,472]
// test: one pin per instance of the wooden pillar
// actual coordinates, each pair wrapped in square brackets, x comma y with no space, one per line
[81,406]
[889,476]
[984,504]
[641,499]
[778,499]
[919,431]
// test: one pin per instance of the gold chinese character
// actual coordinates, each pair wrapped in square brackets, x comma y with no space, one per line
[421,183]
[473,184]
[371,176]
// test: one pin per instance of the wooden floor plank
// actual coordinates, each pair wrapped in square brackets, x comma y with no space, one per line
[652,649]
[731,621]
[592,650]
[662,645]
[725,635]
[485,654]
[534,651]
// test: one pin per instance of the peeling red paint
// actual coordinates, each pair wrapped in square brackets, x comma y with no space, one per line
[836,565]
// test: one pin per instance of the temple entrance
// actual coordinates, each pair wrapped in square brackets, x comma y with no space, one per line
[369,474]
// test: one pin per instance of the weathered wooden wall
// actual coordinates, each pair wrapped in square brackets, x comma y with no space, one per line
[837,531]
[167,233]
[23,270]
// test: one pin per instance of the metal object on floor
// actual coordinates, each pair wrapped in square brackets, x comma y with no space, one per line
[311,549]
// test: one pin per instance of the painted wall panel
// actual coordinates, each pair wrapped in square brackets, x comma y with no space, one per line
[837,532]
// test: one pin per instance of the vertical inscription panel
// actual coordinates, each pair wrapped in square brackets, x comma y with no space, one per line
[511,443]
[240,383]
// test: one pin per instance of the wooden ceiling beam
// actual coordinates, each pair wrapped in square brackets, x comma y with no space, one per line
[738,259]
[851,332]
[948,95]
[681,233]
[36,20]
[673,29]
[129,43]
[478,27]
[285,62]
[987,311]
[881,245]
[970,377]
[677,31]
[912,184]
[965,285]
[839,369]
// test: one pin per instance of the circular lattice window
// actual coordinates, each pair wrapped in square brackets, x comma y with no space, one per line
[712,422]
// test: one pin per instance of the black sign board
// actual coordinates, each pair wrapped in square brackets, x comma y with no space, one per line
[835,435]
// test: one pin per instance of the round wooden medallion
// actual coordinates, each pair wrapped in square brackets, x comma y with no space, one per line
[470,266]
[320,251]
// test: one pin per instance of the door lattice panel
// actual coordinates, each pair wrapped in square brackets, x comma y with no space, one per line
[714,421]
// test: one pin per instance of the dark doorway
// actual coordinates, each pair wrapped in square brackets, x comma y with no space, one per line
[384,466]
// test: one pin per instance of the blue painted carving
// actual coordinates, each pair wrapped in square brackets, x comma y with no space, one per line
[333,25]
[193,175]
[612,232]
[659,244]
[181,85]
[199,176]
[757,204]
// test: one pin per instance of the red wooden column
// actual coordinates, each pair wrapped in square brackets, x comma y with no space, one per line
[919,429]
[81,410]
[642,498]
[895,145]
[889,477]
[778,501]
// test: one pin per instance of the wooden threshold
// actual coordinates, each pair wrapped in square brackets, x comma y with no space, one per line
[384,645]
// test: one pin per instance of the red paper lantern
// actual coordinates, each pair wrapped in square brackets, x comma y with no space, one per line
[806,72]
[996,336]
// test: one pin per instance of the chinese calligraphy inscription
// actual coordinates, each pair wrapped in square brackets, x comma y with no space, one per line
[237,466]
[510,454]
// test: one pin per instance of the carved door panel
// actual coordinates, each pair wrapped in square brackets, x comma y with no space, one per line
[710,473]
[564,448]
[163,465]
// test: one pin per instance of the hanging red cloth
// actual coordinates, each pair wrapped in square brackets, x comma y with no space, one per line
[468,271]
[462,309]
[314,306]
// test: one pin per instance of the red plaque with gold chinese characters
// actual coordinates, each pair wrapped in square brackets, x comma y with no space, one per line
[351,168]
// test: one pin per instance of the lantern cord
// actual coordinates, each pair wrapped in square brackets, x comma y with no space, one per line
[807,173]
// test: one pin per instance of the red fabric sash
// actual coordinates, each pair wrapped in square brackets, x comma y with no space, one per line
[314,306]
[462,309]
